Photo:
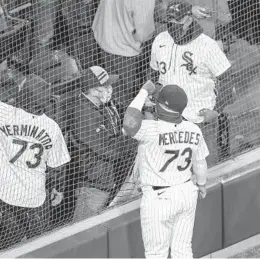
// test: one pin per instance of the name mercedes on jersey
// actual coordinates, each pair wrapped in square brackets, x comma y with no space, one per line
[179,137]
[25,130]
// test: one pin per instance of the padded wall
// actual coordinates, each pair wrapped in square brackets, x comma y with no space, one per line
[207,237]
[241,208]
[91,243]
[229,214]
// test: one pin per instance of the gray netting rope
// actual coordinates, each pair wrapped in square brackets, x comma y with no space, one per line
[61,98]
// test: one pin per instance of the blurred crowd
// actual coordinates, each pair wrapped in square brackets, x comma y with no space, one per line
[94,64]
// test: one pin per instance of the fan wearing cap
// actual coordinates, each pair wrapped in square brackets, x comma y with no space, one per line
[185,56]
[168,148]
[31,143]
[98,144]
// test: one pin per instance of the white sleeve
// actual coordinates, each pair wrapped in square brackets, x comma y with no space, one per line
[59,154]
[153,61]
[6,111]
[147,131]
[216,60]
[202,150]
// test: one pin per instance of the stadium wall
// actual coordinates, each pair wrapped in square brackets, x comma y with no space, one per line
[227,216]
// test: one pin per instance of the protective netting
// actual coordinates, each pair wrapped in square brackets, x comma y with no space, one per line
[52,62]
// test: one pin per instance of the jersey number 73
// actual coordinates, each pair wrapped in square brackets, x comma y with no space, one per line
[187,153]
[38,148]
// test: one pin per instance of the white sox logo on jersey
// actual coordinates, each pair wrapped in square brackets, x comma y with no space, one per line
[189,63]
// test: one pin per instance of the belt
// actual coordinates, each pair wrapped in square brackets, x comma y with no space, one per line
[156,188]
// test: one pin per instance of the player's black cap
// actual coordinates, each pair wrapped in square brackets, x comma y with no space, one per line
[178,10]
[173,97]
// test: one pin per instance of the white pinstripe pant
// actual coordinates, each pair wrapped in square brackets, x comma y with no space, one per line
[167,220]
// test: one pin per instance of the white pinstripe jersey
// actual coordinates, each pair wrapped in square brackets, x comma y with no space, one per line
[166,151]
[193,66]
[28,144]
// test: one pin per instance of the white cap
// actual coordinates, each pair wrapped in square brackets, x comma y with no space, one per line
[102,75]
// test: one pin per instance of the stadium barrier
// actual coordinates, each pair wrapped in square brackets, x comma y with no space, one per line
[208,231]
[241,207]
[228,215]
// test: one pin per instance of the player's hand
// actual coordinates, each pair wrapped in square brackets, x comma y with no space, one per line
[200,12]
[158,86]
[208,115]
[149,102]
[148,116]
[202,191]
[56,197]
[149,87]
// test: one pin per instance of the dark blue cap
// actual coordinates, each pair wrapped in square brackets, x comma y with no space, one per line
[173,97]
[178,10]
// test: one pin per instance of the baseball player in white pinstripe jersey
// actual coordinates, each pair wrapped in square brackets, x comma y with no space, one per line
[168,148]
[32,149]
[185,56]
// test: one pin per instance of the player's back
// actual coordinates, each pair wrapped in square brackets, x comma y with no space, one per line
[26,148]
[166,151]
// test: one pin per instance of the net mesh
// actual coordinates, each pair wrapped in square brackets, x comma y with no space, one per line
[47,48]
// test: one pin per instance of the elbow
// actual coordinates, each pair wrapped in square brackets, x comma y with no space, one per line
[132,122]
[225,75]
[130,129]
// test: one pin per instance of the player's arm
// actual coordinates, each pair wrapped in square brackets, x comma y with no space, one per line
[200,170]
[220,68]
[58,157]
[56,178]
[133,116]
[200,167]
[217,62]
[225,75]
[224,80]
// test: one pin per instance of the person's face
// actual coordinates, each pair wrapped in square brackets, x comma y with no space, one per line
[103,93]
[177,28]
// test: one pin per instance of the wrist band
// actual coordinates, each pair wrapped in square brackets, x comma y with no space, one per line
[202,183]
[139,100]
